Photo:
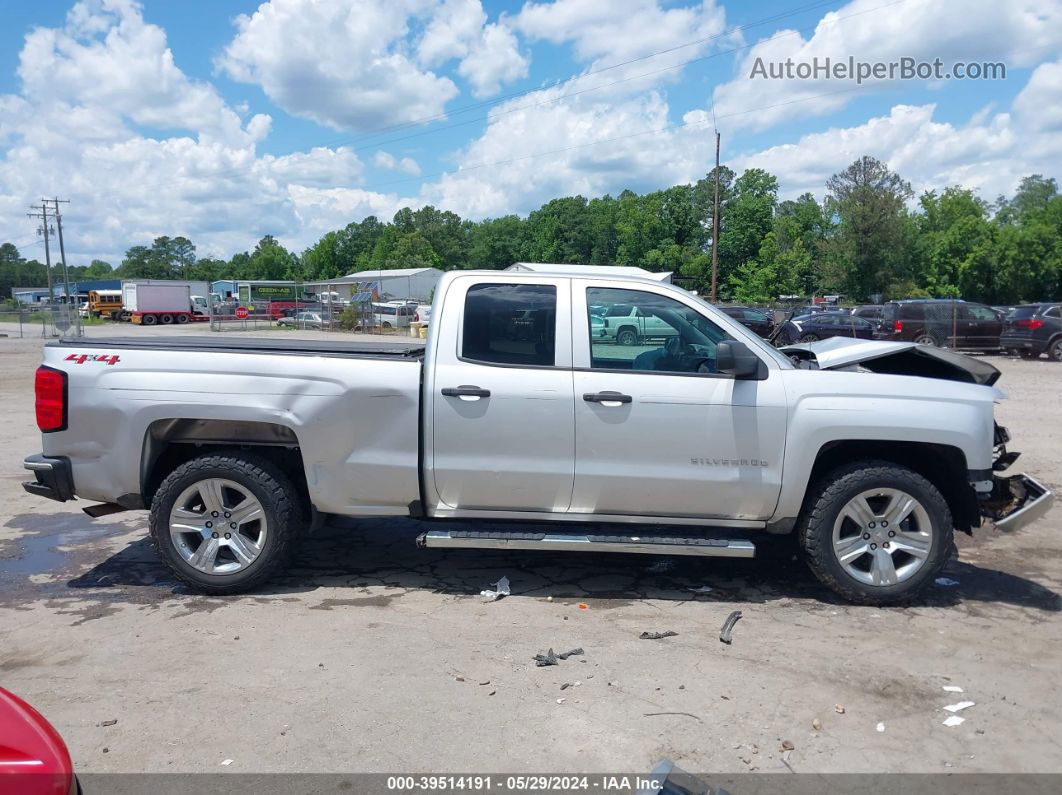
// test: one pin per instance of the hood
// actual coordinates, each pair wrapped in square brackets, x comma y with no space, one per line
[894,358]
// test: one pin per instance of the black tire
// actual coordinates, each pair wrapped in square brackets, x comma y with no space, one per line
[182,319]
[925,338]
[809,338]
[148,320]
[1054,350]
[277,494]
[166,319]
[825,501]
[626,336]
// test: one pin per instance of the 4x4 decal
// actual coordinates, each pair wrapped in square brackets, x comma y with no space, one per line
[81,358]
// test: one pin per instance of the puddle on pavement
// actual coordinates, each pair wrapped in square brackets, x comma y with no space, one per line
[40,554]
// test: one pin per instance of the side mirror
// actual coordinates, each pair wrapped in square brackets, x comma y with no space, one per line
[736,359]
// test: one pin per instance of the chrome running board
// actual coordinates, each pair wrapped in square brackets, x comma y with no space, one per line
[572,542]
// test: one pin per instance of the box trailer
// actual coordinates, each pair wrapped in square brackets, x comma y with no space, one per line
[148,304]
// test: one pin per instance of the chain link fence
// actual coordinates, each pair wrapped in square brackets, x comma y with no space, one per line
[48,321]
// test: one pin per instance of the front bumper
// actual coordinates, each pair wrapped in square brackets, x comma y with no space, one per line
[54,478]
[1016,501]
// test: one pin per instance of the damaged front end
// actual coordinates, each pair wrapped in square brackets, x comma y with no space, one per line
[1016,500]
[1010,502]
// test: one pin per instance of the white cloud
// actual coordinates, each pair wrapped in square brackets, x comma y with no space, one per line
[607,32]
[386,160]
[109,75]
[1018,32]
[340,64]
[489,54]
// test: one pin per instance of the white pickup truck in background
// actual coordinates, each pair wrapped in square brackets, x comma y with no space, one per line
[695,439]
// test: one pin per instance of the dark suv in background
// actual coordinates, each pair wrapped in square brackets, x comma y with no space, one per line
[754,319]
[941,322]
[1033,329]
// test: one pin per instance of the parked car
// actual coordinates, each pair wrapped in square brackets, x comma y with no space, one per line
[755,319]
[811,328]
[626,324]
[302,320]
[394,314]
[871,312]
[422,314]
[34,759]
[1004,310]
[515,411]
[1034,329]
[941,322]
[815,309]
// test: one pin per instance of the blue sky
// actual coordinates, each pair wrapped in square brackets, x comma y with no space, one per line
[227,121]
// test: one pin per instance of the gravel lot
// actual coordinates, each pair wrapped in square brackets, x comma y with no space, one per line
[371,655]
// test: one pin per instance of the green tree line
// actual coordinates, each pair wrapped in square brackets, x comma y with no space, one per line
[863,241]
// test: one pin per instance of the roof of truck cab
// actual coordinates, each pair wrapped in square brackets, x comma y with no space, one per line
[574,269]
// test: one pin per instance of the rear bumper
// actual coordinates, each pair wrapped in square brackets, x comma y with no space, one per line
[54,478]
[1016,501]
[1022,343]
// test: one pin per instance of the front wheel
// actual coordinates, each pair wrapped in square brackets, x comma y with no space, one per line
[809,338]
[224,522]
[1055,350]
[876,533]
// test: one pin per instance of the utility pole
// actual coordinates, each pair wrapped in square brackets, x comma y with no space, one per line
[715,224]
[42,213]
[62,257]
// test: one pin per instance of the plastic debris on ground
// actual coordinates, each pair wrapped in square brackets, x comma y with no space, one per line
[881,726]
[946,582]
[728,626]
[667,633]
[552,658]
[838,708]
[952,689]
[501,590]
[959,706]
[227,762]
[954,720]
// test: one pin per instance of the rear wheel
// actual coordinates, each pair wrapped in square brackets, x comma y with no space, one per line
[876,533]
[224,523]
[809,338]
[148,320]
[1054,350]
[166,319]
[182,319]
[924,338]
[627,336]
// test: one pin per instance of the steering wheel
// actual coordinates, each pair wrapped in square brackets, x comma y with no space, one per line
[684,357]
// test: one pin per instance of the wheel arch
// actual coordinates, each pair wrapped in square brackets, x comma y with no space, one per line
[168,443]
[942,465]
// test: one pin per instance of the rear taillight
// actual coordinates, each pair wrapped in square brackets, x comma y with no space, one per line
[1032,325]
[416,317]
[49,387]
[897,325]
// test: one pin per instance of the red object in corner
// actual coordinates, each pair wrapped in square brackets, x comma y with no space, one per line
[33,757]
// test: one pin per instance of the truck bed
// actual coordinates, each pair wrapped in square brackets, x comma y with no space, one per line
[290,347]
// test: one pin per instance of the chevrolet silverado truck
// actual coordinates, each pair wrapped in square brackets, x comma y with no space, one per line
[515,415]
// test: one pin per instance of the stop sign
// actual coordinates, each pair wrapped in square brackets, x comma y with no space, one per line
[241,312]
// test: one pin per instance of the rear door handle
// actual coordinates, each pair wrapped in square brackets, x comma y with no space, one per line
[607,398]
[466,391]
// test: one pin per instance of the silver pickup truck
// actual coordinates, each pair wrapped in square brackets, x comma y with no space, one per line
[700,442]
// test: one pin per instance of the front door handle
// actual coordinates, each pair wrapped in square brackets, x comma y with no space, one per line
[607,398]
[465,391]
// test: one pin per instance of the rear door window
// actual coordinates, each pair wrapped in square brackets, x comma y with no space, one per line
[511,324]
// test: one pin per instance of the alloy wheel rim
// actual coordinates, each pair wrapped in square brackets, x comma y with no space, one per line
[218,526]
[882,537]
